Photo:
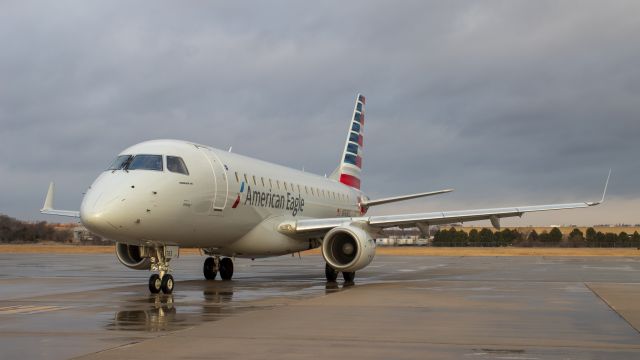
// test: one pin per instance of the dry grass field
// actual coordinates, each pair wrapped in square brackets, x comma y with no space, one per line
[400,251]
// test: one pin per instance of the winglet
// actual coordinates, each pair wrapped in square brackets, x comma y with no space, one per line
[48,209]
[606,184]
[48,201]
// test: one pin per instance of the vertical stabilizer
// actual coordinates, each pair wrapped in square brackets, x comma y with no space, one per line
[350,167]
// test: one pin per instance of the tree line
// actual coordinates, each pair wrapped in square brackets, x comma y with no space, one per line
[14,231]
[554,238]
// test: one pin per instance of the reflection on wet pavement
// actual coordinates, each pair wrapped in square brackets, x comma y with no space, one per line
[59,306]
[159,312]
[95,303]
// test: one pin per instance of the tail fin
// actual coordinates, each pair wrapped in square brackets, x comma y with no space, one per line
[350,167]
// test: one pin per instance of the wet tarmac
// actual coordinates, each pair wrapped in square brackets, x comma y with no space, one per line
[61,306]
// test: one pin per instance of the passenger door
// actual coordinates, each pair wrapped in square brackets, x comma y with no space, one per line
[219,182]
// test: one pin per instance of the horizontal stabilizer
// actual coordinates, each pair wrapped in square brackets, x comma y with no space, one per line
[403,197]
[48,209]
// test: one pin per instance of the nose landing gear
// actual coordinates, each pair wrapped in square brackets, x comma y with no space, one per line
[163,281]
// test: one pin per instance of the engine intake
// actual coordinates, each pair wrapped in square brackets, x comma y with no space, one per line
[348,248]
[133,256]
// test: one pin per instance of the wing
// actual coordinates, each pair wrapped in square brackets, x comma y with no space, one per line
[69,213]
[422,219]
[425,219]
[48,209]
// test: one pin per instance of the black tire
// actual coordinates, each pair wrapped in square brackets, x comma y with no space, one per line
[226,269]
[167,284]
[330,273]
[209,269]
[155,284]
[349,276]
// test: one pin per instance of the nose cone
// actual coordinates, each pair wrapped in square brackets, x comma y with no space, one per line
[98,211]
[95,215]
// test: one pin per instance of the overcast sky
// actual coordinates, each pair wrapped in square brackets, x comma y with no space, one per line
[509,102]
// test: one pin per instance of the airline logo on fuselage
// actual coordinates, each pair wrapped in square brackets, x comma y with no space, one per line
[290,202]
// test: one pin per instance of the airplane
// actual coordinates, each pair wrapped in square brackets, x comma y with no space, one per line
[160,195]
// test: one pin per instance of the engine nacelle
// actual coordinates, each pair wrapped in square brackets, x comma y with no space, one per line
[133,256]
[348,248]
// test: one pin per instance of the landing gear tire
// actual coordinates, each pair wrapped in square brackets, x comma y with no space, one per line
[226,268]
[209,269]
[349,276]
[166,284]
[330,273]
[155,284]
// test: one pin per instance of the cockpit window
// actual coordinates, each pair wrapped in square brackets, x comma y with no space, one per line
[146,162]
[120,162]
[176,164]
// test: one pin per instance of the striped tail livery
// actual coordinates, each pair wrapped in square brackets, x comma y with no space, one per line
[350,167]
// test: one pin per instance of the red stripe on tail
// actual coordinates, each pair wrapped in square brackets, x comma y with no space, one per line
[349,180]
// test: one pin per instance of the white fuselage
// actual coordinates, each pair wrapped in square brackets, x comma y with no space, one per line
[228,203]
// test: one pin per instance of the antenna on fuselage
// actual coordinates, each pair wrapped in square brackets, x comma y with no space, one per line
[230,148]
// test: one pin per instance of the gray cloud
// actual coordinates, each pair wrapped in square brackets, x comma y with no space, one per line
[508,102]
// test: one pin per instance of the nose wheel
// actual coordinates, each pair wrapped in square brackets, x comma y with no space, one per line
[155,284]
[158,284]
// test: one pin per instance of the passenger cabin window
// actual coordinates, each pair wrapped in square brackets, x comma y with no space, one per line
[176,164]
[146,162]
[120,162]
[237,178]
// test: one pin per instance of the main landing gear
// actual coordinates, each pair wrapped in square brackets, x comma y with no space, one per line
[214,265]
[163,281]
[332,275]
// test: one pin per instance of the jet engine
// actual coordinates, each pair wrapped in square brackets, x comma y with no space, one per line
[348,248]
[133,256]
